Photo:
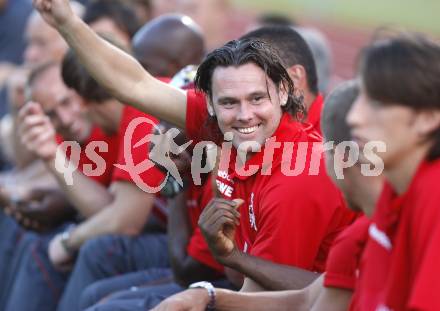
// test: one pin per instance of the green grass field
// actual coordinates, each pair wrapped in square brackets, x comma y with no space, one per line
[422,15]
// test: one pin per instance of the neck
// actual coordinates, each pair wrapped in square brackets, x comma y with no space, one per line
[370,195]
[85,134]
[401,174]
[114,118]
[309,98]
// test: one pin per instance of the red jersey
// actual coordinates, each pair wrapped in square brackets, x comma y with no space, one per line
[198,198]
[314,113]
[398,269]
[343,260]
[89,161]
[289,220]
[128,154]
[134,126]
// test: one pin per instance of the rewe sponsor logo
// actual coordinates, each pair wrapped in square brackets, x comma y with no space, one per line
[224,189]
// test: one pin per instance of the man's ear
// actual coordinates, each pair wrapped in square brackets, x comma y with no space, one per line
[210,107]
[427,122]
[283,94]
[298,75]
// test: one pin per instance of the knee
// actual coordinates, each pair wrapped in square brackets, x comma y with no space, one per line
[90,296]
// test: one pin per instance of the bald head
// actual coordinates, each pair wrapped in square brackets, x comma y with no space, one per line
[336,107]
[168,43]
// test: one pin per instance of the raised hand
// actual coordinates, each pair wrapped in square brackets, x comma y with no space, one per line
[217,223]
[37,132]
[55,12]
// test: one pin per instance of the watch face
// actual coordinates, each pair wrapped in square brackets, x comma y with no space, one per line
[198,284]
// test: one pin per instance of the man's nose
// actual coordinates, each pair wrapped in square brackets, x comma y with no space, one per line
[245,112]
[354,116]
[64,117]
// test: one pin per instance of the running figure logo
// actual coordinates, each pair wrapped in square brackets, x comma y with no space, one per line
[162,146]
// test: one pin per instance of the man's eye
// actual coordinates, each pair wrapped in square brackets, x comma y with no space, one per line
[227,103]
[258,99]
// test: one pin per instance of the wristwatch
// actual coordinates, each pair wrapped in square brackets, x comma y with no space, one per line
[211,292]
[65,237]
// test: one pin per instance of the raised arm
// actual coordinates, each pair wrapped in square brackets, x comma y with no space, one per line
[38,135]
[117,71]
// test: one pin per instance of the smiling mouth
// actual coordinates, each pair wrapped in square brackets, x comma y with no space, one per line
[247,130]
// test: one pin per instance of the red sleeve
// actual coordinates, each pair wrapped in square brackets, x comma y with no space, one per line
[199,126]
[343,260]
[302,213]
[152,176]
[314,113]
[426,286]
[109,157]
[423,233]
[96,163]
[196,115]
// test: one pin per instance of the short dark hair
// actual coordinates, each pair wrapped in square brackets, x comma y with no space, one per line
[291,47]
[275,19]
[119,12]
[337,104]
[76,77]
[404,70]
[241,52]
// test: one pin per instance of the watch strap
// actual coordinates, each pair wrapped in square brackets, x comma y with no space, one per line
[211,292]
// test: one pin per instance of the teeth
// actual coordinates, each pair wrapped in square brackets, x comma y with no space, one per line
[247,130]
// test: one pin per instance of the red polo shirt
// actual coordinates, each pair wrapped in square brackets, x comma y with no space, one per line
[314,113]
[289,220]
[152,176]
[128,136]
[399,269]
[343,260]
[109,157]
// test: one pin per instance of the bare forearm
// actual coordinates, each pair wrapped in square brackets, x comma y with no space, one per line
[97,196]
[123,76]
[282,300]
[275,301]
[126,215]
[103,223]
[270,275]
[110,66]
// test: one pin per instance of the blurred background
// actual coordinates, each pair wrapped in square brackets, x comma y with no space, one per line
[348,25]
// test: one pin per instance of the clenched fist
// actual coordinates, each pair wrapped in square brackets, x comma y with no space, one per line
[55,12]
[217,223]
[37,132]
